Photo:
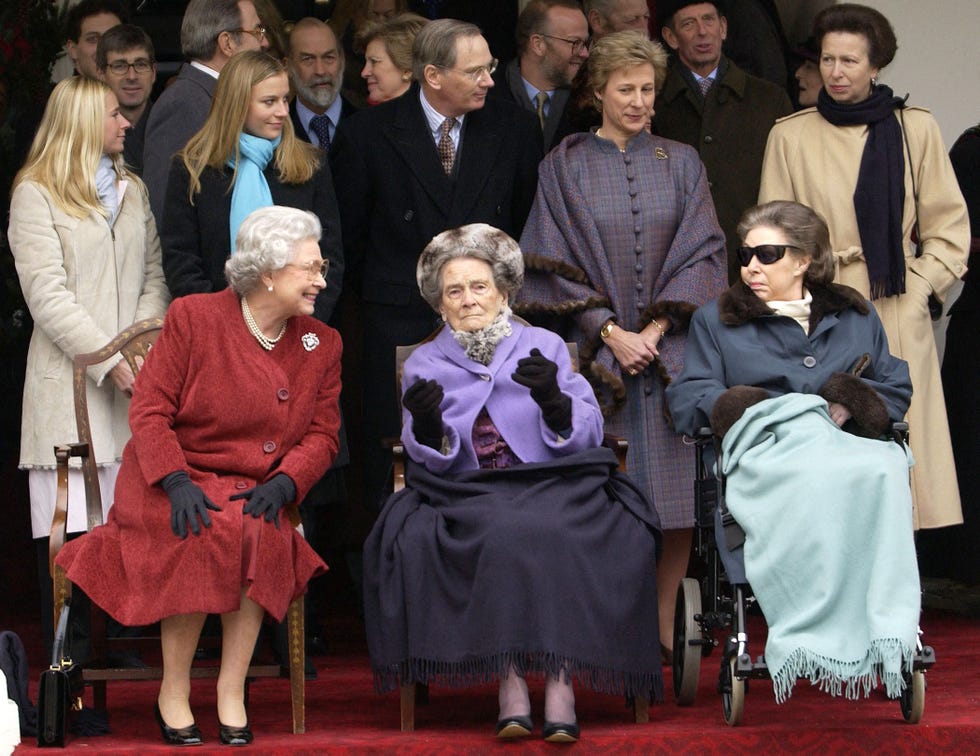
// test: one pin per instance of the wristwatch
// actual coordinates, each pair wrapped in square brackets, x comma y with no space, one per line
[606,331]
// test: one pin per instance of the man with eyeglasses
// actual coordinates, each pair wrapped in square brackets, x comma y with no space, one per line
[713,105]
[127,64]
[608,16]
[440,156]
[210,33]
[552,44]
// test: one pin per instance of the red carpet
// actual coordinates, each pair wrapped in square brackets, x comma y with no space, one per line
[345,715]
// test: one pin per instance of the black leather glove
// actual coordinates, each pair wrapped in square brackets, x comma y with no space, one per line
[422,400]
[187,503]
[268,498]
[540,374]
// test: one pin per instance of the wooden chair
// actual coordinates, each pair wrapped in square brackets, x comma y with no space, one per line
[134,344]
[417,693]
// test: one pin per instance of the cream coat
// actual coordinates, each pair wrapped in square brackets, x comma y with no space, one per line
[83,283]
[814,162]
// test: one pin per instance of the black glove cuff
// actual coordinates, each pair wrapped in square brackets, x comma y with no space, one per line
[557,412]
[174,479]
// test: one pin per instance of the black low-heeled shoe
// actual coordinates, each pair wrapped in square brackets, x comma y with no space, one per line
[513,727]
[184,736]
[560,732]
[234,736]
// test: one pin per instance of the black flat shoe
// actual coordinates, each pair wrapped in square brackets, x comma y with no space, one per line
[560,732]
[185,736]
[513,727]
[234,736]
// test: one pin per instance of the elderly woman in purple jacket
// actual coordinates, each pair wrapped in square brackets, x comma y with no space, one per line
[516,546]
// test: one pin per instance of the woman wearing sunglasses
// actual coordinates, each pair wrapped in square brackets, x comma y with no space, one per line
[792,372]
[786,328]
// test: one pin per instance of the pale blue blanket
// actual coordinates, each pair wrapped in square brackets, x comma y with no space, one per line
[829,548]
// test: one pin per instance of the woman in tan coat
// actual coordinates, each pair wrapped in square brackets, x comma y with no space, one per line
[88,259]
[877,171]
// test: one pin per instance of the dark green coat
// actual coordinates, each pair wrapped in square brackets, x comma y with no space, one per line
[729,131]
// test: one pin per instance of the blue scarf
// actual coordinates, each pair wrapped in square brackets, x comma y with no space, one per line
[251,190]
[106,187]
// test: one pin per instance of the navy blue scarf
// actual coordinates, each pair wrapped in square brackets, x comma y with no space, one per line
[879,196]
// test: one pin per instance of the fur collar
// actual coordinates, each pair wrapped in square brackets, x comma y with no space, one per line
[739,305]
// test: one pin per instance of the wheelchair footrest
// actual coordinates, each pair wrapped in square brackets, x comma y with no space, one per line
[924,659]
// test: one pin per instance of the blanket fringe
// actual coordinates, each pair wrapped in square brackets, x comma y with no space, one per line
[885,661]
[485,669]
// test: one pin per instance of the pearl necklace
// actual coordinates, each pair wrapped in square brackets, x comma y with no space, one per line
[598,133]
[264,341]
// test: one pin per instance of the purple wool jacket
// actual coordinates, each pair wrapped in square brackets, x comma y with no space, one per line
[470,386]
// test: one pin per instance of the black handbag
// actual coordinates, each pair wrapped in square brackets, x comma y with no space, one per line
[60,691]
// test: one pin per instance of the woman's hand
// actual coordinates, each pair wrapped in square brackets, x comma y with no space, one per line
[266,499]
[187,503]
[122,377]
[838,413]
[632,351]
[422,400]
[540,374]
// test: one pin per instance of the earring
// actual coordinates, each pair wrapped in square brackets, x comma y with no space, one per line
[406,77]
[270,287]
[874,82]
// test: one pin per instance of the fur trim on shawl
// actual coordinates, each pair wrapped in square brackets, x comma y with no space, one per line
[739,304]
[567,269]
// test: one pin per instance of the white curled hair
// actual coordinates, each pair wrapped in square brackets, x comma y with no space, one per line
[265,242]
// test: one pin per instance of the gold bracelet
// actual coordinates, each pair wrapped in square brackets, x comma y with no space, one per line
[659,327]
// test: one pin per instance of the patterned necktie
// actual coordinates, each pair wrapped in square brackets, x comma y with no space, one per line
[540,100]
[447,150]
[320,125]
[705,85]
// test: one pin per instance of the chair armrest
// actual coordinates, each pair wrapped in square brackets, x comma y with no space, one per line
[619,445]
[398,466]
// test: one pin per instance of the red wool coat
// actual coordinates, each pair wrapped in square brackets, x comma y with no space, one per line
[214,403]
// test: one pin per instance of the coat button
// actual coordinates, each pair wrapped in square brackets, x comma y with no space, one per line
[283,394]
[269,446]
[484,376]
[708,139]
[409,214]
[809,361]
[241,485]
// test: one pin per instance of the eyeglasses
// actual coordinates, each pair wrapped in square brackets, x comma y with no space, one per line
[121,67]
[577,44]
[766,253]
[313,268]
[475,74]
[258,32]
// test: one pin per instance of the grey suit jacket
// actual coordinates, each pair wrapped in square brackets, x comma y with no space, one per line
[176,117]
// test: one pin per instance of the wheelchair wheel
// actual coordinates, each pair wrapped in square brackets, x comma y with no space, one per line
[732,695]
[913,698]
[687,657]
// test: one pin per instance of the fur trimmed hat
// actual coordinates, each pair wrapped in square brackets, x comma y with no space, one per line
[479,241]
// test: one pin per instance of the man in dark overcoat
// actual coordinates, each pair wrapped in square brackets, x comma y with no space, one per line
[711,104]
[440,156]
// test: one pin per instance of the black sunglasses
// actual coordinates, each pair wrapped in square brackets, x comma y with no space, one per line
[767,253]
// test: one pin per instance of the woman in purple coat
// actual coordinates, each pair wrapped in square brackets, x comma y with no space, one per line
[516,545]
[622,240]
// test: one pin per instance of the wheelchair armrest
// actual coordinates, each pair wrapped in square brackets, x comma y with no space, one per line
[398,465]
[619,445]
[900,433]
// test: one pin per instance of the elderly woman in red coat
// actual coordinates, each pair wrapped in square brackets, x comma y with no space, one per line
[236,414]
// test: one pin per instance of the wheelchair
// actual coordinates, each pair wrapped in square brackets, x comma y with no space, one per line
[711,609]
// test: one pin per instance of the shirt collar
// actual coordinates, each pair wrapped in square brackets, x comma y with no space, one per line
[306,115]
[434,118]
[207,69]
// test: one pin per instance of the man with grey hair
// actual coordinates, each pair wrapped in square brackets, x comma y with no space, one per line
[552,44]
[608,16]
[442,155]
[210,33]
[315,63]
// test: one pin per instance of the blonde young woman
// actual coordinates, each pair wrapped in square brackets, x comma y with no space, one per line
[246,156]
[88,259]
